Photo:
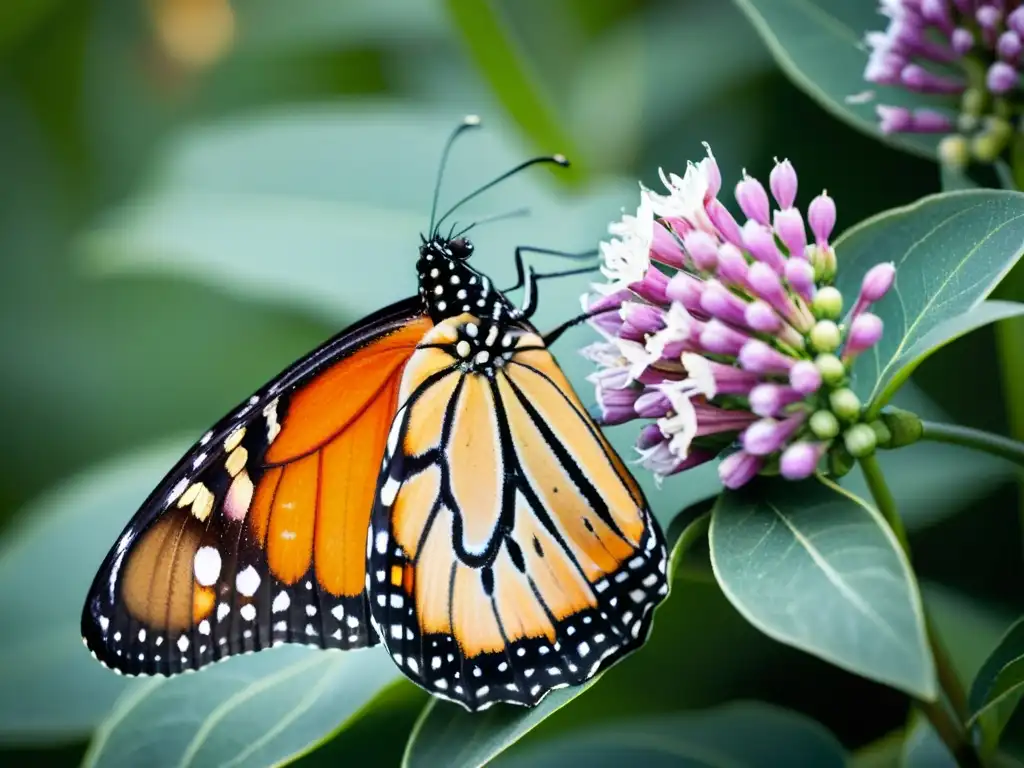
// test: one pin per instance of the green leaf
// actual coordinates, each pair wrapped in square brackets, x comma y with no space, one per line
[495,51]
[448,735]
[820,45]
[999,685]
[257,710]
[50,688]
[814,567]
[378,736]
[923,748]
[738,735]
[950,251]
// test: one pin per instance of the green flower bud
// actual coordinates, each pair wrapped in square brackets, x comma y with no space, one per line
[824,425]
[990,143]
[840,462]
[825,336]
[824,262]
[882,433]
[828,303]
[831,369]
[954,151]
[904,427]
[860,440]
[845,404]
[973,102]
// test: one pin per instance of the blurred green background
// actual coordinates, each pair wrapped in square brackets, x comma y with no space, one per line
[197,192]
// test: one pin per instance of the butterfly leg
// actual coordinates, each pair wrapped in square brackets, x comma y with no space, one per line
[552,336]
[532,278]
[521,268]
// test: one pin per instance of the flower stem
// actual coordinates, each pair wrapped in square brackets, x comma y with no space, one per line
[945,725]
[980,440]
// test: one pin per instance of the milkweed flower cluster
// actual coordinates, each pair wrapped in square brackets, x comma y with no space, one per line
[723,334]
[965,55]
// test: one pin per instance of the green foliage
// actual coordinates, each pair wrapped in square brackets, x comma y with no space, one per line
[174,234]
[820,45]
[950,251]
[999,685]
[744,735]
[814,567]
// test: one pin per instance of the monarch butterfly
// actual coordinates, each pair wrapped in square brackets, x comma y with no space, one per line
[427,479]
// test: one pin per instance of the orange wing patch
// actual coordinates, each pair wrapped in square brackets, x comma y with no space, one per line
[313,504]
[326,405]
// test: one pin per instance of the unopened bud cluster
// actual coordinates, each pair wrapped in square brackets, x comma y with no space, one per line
[965,57]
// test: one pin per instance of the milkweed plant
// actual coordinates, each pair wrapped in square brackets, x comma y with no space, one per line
[747,338]
[741,326]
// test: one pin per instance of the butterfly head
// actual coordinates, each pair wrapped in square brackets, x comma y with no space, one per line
[449,286]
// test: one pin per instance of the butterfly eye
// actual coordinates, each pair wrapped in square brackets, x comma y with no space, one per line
[461,248]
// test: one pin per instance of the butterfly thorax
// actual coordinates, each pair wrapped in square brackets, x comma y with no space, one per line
[450,287]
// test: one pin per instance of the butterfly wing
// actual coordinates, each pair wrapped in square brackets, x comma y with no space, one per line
[257,536]
[510,550]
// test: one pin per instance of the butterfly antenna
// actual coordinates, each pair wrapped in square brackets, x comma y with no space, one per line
[553,159]
[517,213]
[469,121]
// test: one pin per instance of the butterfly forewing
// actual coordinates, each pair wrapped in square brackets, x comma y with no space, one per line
[510,551]
[257,537]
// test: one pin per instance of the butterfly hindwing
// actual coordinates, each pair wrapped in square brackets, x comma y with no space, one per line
[257,536]
[510,552]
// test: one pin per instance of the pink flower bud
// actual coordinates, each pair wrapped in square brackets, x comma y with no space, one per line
[759,316]
[894,119]
[783,183]
[800,460]
[753,200]
[789,226]
[821,215]
[758,357]
[652,404]
[766,436]
[800,276]
[732,265]
[712,173]
[769,399]
[1001,77]
[1009,47]
[719,339]
[718,301]
[805,377]
[865,332]
[962,40]
[652,287]
[616,405]
[685,289]
[1015,21]
[877,282]
[665,248]
[643,317]
[724,222]
[760,241]
[649,437]
[703,250]
[739,468]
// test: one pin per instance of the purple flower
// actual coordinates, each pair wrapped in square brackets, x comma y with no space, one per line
[723,334]
[965,55]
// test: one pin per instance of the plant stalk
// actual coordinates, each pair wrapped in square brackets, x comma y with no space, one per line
[979,440]
[951,731]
